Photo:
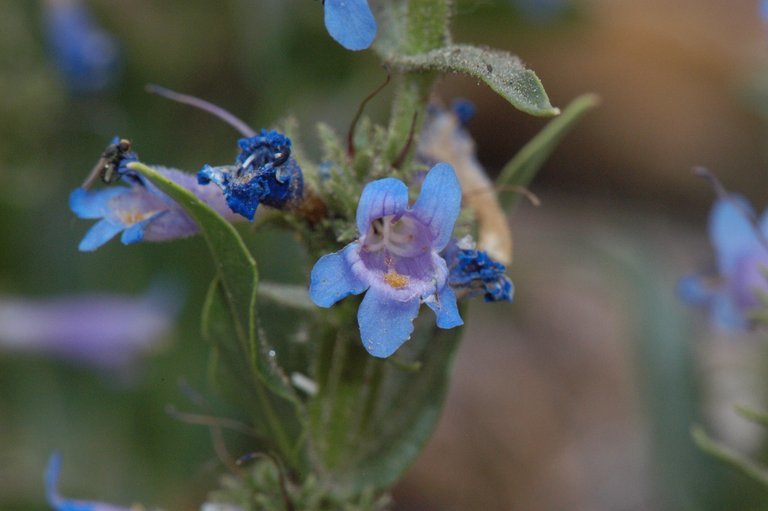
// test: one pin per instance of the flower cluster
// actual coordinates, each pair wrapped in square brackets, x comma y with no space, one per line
[734,292]
[264,172]
[396,260]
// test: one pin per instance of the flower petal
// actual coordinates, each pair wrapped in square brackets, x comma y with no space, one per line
[332,278]
[731,232]
[87,204]
[439,203]
[100,233]
[445,307]
[350,23]
[380,198]
[385,324]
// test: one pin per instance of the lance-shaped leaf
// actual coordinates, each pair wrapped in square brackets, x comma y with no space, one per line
[239,279]
[501,71]
[371,417]
[521,169]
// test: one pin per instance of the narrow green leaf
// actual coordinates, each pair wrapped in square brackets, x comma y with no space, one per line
[372,417]
[756,416]
[239,279]
[521,170]
[501,71]
[729,456]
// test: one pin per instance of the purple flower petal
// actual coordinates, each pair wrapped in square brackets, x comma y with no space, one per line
[350,23]
[439,203]
[381,198]
[333,279]
[385,324]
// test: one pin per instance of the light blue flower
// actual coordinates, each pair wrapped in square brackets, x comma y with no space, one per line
[264,172]
[733,293]
[350,23]
[58,503]
[396,260]
[140,211]
[87,57]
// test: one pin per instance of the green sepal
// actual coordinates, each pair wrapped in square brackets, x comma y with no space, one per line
[501,71]
[521,169]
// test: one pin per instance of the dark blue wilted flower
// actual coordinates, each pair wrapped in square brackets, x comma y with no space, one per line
[59,503]
[474,272]
[140,211]
[264,172]
[350,23]
[87,57]
[396,260]
[734,291]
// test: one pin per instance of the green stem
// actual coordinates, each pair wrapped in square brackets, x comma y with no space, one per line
[427,29]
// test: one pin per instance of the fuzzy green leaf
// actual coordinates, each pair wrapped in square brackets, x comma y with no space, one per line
[238,276]
[501,71]
[371,417]
[521,169]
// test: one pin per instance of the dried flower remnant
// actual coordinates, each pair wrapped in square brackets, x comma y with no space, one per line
[473,272]
[264,172]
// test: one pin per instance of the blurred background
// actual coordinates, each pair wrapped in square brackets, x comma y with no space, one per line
[579,395]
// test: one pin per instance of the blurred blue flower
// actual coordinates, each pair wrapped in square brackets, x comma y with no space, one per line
[86,56]
[59,503]
[350,23]
[264,172]
[103,331]
[140,211]
[396,260]
[734,291]
[474,272]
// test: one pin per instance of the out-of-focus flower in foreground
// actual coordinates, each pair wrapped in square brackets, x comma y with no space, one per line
[264,172]
[86,56]
[350,23]
[734,292]
[59,503]
[104,331]
[396,260]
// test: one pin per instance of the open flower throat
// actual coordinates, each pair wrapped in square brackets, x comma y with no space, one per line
[398,234]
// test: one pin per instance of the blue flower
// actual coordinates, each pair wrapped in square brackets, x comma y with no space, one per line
[58,503]
[264,172]
[140,211]
[396,260]
[350,23]
[474,272]
[734,292]
[87,57]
